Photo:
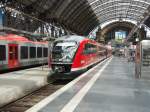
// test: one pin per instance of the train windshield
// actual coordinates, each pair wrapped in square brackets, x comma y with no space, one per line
[64,51]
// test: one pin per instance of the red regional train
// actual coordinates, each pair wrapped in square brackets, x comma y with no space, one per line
[74,54]
[17,51]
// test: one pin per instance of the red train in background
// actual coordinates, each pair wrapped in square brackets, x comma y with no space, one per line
[17,51]
[73,54]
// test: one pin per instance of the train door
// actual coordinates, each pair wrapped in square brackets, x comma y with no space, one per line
[12,55]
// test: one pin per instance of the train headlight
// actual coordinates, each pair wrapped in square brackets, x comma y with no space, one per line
[59,69]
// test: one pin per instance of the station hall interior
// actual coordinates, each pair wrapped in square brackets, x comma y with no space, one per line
[74,55]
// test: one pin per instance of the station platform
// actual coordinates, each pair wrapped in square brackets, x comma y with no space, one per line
[17,84]
[108,87]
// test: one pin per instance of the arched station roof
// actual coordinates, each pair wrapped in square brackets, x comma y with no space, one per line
[75,15]
[82,16]
[114,25]
[122,9]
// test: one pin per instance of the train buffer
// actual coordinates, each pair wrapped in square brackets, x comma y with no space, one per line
[108,87]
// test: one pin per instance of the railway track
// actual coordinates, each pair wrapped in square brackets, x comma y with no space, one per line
[23,104]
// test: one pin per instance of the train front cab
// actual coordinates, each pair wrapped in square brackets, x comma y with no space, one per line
[63,54]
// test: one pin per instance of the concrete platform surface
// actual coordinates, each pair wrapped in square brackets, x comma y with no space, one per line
[16,84]
[109,87]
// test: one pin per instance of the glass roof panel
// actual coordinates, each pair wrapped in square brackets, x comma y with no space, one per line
[131,18]
[136,7]
[117,15]
[128,9]
[115,20]
[119,9]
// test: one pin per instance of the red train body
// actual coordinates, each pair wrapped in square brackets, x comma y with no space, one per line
[72,54]
[17,51]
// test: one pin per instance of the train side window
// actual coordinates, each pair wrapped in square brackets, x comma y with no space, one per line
[45,52]
[32,52]
[39,52]
[2,52]
[89,49]
[24,52]
[93,49]
[86,49]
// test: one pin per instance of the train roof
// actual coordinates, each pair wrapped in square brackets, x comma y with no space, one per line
[71,38]
[77,38]
[18,38]
[13,37]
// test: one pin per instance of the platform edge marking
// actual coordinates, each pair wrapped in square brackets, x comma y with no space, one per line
[50,98]
[70,107]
